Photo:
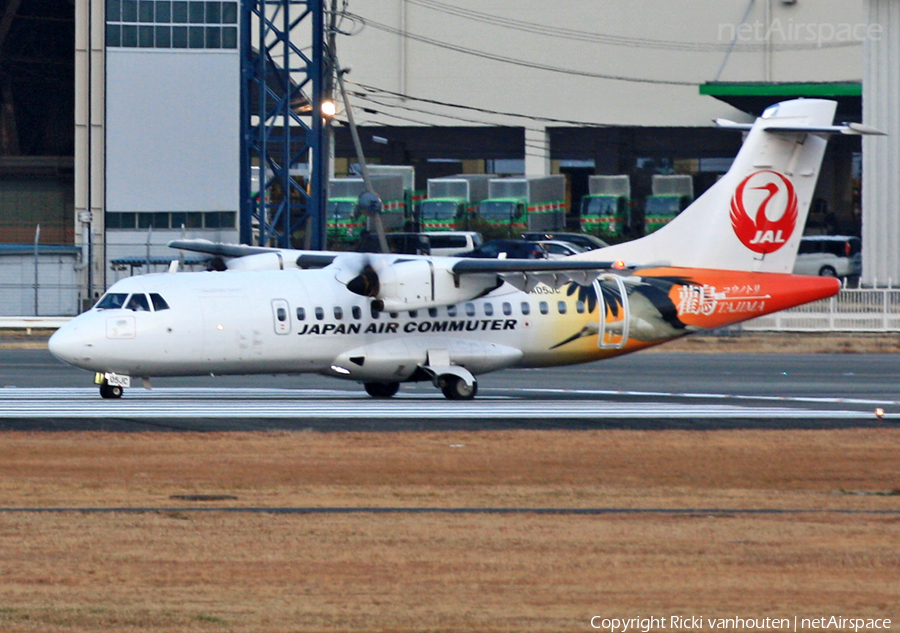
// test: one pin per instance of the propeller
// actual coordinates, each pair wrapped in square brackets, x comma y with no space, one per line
[369,202]
[366,283]
[359,273]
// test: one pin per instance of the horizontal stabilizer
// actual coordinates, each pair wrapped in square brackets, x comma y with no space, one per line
[852,129]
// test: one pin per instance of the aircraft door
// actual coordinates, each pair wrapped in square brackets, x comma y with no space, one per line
[614,312]
[281,314]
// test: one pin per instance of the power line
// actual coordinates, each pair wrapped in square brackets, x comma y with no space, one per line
[477,109]
[517,62]
[368,99]
[614,40]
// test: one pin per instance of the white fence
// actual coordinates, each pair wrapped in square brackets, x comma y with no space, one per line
[851,310]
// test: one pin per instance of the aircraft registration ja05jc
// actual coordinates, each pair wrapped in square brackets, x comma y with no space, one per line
[384,319]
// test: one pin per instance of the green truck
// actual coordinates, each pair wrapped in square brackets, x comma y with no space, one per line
[452,201]
[344,223]
[525,204]
[605,211]
[671,195]
[411,197]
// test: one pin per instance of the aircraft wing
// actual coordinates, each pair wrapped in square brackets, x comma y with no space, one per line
[526,274]
[408,282]
[217,248]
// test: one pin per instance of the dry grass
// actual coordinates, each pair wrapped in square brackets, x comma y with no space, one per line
[187,571]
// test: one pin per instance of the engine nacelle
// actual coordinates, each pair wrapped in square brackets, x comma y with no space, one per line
[415,284]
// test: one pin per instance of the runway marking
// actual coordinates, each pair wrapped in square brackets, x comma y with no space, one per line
[220,403]
[714,396]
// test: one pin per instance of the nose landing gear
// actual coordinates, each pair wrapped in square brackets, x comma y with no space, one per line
[110,391]
[111,385]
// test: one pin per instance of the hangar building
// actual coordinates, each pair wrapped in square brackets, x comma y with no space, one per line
[501,87]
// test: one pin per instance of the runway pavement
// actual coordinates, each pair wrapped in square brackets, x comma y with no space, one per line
[647,391]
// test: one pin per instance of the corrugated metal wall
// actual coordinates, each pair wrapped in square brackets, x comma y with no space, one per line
[881,154]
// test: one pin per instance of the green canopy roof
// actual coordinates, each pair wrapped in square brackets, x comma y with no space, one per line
[754,97]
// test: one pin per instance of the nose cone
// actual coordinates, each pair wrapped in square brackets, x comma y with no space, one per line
[69,345]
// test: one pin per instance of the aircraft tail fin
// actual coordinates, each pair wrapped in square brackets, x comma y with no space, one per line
[752,219]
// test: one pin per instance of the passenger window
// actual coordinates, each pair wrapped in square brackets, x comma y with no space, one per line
[112,301]
[158,302]
[507,309]
[526,307]
[357,312]
[320,313]
[138,303]
[338,313]
[579,307]
[413,314]
[301,314]
[561,306]
[281,314]
[451,311]
[394,315]
[375,312]
[432,312]
[544,307]
[489,309]
[470,309]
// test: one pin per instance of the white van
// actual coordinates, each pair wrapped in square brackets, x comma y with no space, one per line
[448,243]
[829,256]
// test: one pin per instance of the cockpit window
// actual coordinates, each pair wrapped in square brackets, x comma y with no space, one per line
[158,302]
[138,303]
[112,301]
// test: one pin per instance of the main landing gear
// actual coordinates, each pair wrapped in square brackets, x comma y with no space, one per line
[456,388]
[452,386]
[382,389]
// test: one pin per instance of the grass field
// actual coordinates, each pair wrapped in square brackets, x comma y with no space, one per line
[172,568]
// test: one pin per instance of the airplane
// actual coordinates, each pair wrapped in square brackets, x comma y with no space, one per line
[385,319]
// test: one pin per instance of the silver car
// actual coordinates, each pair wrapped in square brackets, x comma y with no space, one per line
[829,256]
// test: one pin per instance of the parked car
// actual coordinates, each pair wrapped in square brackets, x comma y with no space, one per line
[447,243]
[557,249]
[829,256]
[587,242]
[507,249]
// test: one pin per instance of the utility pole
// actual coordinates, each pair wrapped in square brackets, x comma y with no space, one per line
[328,84]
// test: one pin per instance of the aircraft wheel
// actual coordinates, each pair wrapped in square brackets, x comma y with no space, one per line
[110,391]
[382,389]
[455,388]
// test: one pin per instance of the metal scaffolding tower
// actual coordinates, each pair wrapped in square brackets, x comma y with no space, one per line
[281,126]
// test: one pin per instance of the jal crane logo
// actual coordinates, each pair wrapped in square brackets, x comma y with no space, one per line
[770,195]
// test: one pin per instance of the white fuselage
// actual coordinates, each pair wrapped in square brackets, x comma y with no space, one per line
[297,321]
